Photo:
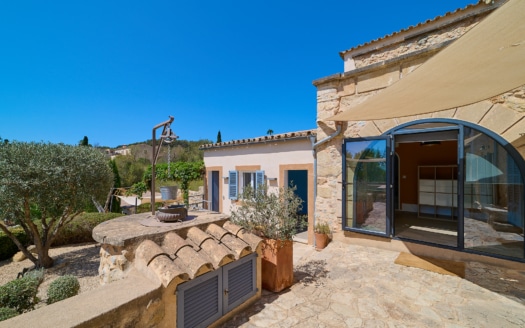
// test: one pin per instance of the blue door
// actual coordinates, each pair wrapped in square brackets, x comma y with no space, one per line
[299,180]
[215,191]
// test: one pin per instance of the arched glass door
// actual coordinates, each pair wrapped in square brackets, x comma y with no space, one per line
[493,196]
[457,185]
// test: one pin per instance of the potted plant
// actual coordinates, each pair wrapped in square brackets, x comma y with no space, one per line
[322,234]
[274,216]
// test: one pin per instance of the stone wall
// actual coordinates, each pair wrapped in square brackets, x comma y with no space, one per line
[417,43]
[376,70]
[113,263]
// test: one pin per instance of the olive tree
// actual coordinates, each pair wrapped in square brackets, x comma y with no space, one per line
[44,186]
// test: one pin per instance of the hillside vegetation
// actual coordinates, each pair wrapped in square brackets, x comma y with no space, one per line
[131,168]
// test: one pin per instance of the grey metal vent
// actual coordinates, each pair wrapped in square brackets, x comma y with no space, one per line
[206,298]
[240,281]
[199,302]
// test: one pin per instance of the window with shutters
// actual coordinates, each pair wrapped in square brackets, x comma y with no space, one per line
[207,298]
[233,187]
[239,180]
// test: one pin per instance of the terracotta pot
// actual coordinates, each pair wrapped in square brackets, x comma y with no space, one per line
[277,264]
[321,240]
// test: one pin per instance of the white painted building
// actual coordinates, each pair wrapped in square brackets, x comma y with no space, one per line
[278,160]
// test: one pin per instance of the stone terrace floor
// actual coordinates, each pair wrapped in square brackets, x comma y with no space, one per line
[354,286]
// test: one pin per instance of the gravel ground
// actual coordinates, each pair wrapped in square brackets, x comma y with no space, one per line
[80,260]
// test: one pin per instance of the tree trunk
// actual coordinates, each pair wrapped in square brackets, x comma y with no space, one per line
[44,260]
[107,207]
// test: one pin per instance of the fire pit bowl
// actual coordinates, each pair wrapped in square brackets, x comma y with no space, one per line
[171,214]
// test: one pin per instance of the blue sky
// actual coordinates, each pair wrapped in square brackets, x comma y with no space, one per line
[112,70]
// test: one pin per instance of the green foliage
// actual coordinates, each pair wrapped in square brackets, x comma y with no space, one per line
[35,275]
[84,142]
[115,205]
[80,230]
[219,138]
[131,170]
[6,313]
[59,180]
[62,288]
[7,247]
[116,177]
[20,294]
[146,208]
[269,214]
[183,151]
[322,227]
[137,189]
[182,172]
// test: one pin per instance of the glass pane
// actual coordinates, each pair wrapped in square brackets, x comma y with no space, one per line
[493,197]
[366,185]
[247,179]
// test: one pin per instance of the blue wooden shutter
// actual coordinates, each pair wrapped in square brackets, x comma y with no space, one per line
[259,178]
[233,184]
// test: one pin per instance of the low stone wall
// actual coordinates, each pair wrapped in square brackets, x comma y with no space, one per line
[142,292]
[132,302]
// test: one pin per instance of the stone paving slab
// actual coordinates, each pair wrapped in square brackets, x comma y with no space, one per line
[356,286]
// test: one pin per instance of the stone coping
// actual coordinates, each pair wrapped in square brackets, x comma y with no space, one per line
[130,230]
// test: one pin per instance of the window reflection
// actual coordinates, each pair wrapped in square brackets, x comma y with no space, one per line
[493,197]
[366,185]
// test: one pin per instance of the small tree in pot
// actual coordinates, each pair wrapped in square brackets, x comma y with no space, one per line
[274,216]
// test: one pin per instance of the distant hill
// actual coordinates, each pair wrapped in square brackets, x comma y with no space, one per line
[180,150]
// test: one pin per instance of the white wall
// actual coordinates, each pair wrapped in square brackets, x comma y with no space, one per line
[269,156]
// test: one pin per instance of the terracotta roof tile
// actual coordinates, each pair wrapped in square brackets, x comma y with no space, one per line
[276,137]
[435,19]
[167,271]
[148,250]
[236,245]
[232,227]
[179,259]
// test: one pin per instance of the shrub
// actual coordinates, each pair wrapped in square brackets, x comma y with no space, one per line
[35,275]
[269,214]
[62,288]
[6,313]
[7,247]
[80,230]
[20,294]
[145,208]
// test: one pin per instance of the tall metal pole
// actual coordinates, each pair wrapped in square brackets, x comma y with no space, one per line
[154,160]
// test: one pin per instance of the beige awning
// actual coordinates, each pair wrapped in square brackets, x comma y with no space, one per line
[485,62]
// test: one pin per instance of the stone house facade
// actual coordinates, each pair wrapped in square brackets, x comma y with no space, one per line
[374,66]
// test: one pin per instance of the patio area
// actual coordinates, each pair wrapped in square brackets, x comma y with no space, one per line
[355,286]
